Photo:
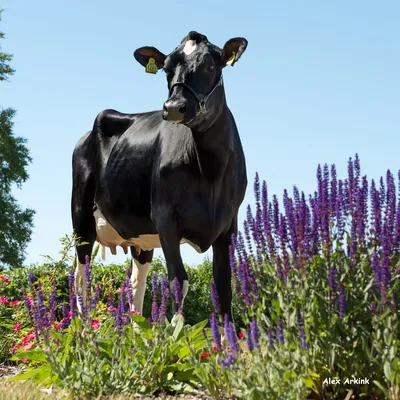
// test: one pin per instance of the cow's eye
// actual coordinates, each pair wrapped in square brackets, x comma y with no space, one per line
[210,67]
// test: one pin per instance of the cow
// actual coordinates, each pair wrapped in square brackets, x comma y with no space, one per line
[161,178]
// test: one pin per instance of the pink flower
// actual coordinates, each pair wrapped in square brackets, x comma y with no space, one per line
[4,278]
[58,326]
[28,346]
[24,360]
[14,303]
[15,348]
[3,300]
[95,324]
[28,338]
[17,327]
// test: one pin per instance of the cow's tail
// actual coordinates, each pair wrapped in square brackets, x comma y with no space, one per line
[103,252]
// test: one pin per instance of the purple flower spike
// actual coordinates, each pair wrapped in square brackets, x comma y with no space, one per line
[96,296]
[88,278]
[302,335]
[71,278]
[214,298]
[154,311]
[249,340]
[53,303]
[177,293]
[342,301]
[215,331]
[270,338]
[255,333]
[164,303]
[279,332]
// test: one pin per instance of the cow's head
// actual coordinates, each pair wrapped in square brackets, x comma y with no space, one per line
[194,74]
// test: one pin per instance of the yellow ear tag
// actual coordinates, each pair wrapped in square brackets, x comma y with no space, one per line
[151,67]
[230,61]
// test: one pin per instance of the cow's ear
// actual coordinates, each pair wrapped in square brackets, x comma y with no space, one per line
[233,50]
[144,55]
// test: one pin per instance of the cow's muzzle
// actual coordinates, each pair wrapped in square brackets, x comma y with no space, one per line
[174,110]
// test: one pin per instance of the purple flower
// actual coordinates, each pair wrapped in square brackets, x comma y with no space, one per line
[249,341]
[87,275]
[154,311]
[177,293]
[31,278]
[342,301]
[163,307]
[255,333]
[28,306]
[215,331]
[270,338]
[214,298]
[279,332]
[302,335]
[230,334]
[71,278]
[53,303]
[96,296]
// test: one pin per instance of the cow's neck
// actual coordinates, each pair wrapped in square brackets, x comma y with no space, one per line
[213,144]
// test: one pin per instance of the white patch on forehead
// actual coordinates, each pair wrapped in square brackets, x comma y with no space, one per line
[190,47]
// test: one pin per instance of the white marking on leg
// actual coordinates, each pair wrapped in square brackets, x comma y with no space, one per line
[80,283]
[190,47]
[138,282]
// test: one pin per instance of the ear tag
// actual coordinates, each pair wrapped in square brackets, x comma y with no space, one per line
[151,67]
[230,61]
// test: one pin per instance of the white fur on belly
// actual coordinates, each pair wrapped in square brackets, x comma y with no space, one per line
[109,237]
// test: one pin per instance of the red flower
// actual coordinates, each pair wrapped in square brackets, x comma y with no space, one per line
[205,355]
[28,338]
[14,303]
[17,327]
[241,336]
[3,300]
[4,278]
[95,325]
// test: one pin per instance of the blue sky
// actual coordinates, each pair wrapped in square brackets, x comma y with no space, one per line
[318,82]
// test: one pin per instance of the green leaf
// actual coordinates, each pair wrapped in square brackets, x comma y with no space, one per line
[387,369]
[33,355]
[178,328]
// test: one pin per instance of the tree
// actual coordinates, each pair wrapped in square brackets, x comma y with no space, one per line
[15,222]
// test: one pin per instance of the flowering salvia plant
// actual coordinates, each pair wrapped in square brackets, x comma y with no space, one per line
[107,347]
[317,282]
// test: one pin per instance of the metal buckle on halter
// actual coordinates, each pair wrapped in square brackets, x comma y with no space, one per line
[202,107]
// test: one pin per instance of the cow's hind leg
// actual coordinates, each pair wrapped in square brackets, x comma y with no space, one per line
[140,265]
[82,214]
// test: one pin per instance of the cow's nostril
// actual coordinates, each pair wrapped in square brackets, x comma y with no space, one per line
[182,109]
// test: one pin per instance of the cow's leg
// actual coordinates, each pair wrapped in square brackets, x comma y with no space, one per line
[140,265]
[222,270]
[170,243]
[82,216]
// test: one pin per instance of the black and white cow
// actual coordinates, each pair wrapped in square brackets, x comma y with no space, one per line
[162,178]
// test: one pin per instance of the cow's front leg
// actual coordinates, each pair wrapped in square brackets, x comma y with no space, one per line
[170,243]
[222,271]
[140,269]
